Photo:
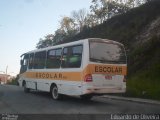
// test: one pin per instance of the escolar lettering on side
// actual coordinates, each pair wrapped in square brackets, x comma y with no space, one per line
[49,75]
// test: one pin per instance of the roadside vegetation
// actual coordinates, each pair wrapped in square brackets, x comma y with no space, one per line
[14,81]
[144,78]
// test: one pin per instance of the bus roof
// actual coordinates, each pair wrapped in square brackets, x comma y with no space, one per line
[74,42]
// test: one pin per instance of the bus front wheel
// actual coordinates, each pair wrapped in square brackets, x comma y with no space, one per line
[26,90]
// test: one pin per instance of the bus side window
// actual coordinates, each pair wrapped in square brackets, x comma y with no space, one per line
[39,60]
[24,63]
[54,58]
[72,57]
[31,61]
[64,58]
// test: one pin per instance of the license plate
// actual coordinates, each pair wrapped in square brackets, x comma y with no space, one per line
[108,77]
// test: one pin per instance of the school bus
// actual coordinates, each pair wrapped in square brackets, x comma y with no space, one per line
[84,68]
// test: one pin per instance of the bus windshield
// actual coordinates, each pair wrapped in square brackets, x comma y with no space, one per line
[104,52]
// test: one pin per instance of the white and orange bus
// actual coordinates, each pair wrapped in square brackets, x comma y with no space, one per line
[82,68]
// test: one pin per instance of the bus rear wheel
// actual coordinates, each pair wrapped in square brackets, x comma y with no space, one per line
[54,93]
[86,97]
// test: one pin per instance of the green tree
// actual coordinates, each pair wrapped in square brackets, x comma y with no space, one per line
[59,36]
[80,19]
[104,9]
[98,10]
[47,41]
[68,25]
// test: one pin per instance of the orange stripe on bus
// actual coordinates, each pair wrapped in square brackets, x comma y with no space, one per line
[78,76]
[72,76]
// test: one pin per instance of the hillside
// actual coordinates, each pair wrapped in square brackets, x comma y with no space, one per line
[139,31]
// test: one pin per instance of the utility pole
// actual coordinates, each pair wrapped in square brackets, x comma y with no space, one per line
[6,69]
[6,74]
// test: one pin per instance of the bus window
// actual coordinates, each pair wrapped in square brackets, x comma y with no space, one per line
[24,63]
[72,57]
[31,60]
[53,58]
[107,53]
[39,60]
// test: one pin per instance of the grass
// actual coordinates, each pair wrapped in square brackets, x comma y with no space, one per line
[144,70]
[145,84]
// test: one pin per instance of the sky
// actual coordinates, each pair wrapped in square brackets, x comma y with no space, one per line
[24,22]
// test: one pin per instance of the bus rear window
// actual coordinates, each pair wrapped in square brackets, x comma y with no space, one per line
[104,52]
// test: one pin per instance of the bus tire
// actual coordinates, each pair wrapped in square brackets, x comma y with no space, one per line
[26,90]
[86,97]
[54,92]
